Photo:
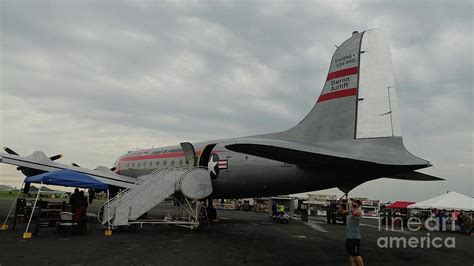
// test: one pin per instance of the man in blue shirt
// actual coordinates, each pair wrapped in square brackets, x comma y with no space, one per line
[353,233]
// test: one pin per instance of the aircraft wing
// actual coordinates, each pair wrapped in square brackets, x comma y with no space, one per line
[39,163]
[380,152]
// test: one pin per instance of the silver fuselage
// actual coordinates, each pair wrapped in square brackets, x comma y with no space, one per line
[245,176]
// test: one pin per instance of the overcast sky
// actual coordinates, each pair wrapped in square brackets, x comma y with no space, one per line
[94,79]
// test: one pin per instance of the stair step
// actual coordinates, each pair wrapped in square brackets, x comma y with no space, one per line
[153,189]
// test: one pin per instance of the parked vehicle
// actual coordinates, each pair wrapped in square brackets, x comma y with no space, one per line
[333,215]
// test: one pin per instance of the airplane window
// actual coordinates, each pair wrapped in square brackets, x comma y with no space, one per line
[164,163]
[157,163]
[133,165]
[172,163]
[138,165]
[151,164]
[128,165]
[180,162]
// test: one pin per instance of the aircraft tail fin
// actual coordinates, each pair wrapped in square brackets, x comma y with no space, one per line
[358,99]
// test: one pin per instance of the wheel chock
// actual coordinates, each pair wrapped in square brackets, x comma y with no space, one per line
[26,235]
[3,227]
[108,233]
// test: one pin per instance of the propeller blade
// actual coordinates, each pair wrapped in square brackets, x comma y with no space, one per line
[55,157]
[9,151]
[25,170]
[12,152]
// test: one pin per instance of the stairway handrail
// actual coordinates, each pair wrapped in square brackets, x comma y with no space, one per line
[179,180]
[141,185]
[117,197]
[145,179]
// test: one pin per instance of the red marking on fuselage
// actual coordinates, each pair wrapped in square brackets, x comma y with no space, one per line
[160,156]
[337,94]
[153,156]
[342,73]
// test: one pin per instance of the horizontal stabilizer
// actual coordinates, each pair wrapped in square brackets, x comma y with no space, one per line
[292,156]
[356,153]
[415,176]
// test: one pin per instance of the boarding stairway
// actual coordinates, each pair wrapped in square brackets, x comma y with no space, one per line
[152,189]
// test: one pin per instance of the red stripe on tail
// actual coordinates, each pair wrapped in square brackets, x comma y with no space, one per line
[343,73]
[337,94]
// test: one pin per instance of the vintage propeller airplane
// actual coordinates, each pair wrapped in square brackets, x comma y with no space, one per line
[351,135]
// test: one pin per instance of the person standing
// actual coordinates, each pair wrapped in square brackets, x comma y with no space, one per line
[80,214]
[74,200]
[83,200]
[91,195]
[353,232]
[442,220]
[460,220]
[274,209]
[438,219]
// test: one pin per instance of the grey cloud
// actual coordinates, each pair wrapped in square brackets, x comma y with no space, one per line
[93,80]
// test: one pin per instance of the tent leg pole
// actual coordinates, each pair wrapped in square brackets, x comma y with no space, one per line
[108,232]
[26,234]
[108,210]
[4,226]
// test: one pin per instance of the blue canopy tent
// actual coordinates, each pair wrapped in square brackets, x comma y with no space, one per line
[66,178]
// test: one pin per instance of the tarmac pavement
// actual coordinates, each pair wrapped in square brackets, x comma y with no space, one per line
[237,238]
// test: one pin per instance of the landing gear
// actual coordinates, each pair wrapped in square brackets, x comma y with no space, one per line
[212,213]
[208,213]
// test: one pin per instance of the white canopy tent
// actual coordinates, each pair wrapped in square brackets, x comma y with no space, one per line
[449,201]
